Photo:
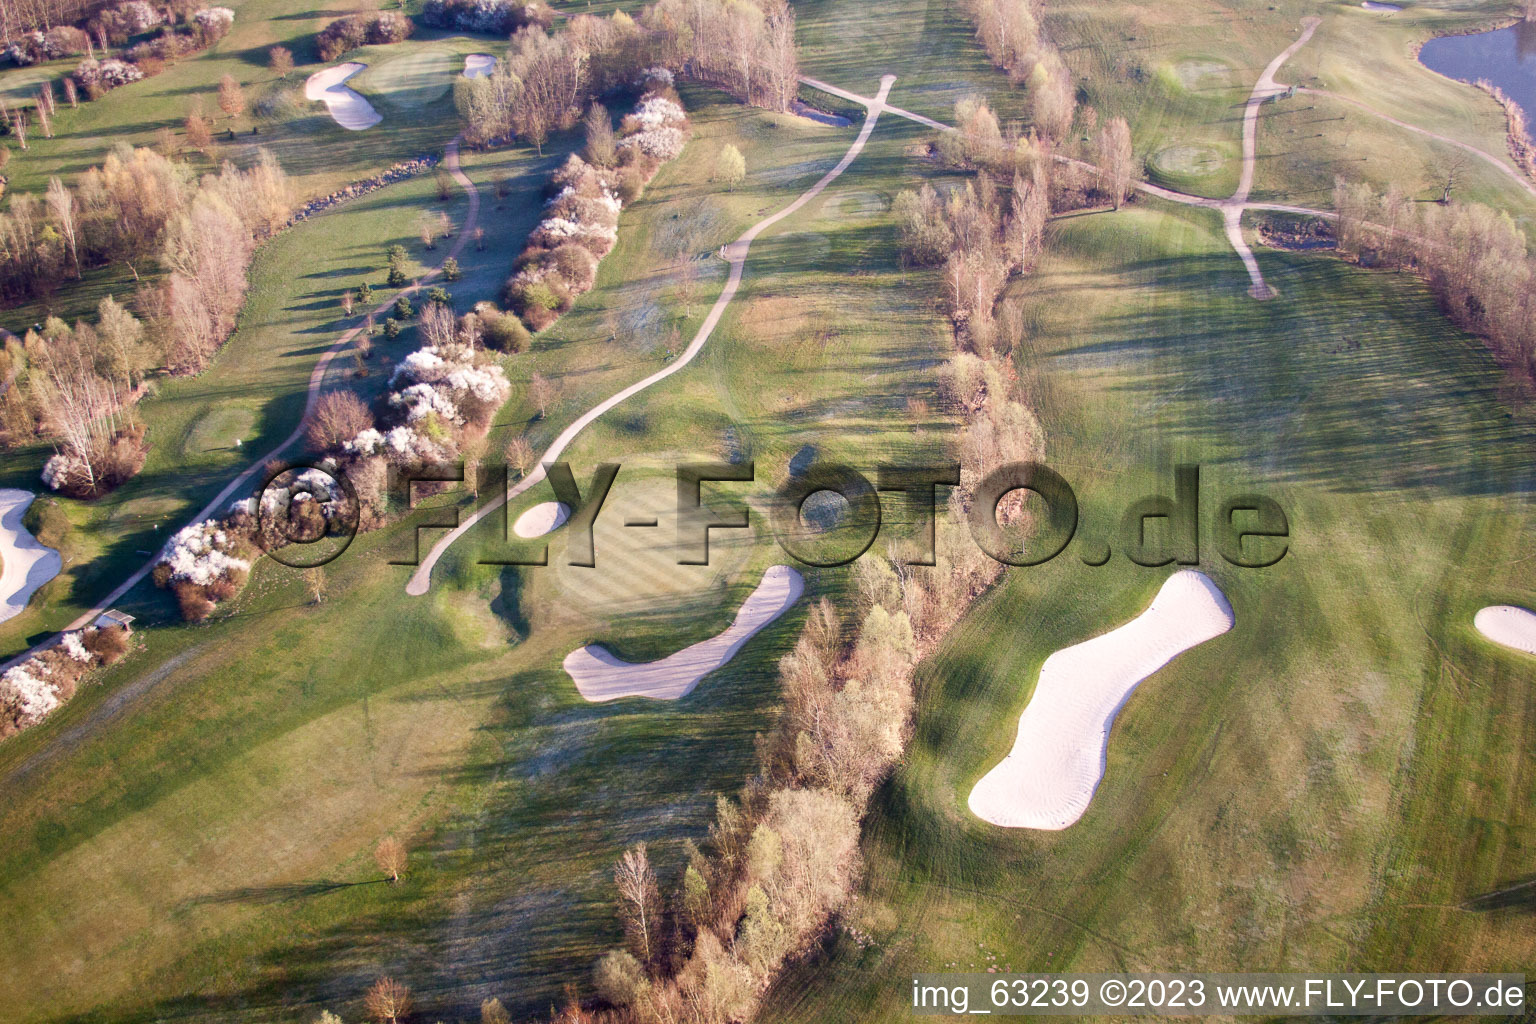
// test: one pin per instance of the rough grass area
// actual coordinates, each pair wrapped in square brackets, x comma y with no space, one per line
[475,744]
[1341,782]
[1277,797]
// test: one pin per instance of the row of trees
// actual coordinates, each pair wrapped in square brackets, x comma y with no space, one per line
[580,224]
[1474,258]
[979,238]
[74,385]
[783,859]
[746,47]
[137,204]
[354,30]
[545,81]
[1009,30]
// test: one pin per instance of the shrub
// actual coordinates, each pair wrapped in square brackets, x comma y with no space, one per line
[98,76]
[46,520]
[439,295]
[339,417]
[107,645]
[496,17]
[505,333]
[618,978]
[213,24]
[356,30]
[64,41]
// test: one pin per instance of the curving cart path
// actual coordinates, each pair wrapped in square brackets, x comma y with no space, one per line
[1231,209]
[316,388]
[736,253]
[1484,155]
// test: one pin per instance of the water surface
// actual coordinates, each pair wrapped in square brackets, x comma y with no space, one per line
[1506,57]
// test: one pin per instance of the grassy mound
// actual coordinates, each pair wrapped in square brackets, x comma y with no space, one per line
[1189,168]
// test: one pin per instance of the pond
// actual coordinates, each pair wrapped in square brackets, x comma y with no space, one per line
[1506,57]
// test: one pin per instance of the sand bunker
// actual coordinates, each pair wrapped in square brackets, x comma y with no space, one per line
[1057,760]
[27,563]
[1372,5]
[599,676]
[1508,625]
[347,107]
[541,519]
[479,65]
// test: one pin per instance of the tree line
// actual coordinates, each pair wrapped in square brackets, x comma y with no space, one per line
[580,224]
[782,859]
[983,232]
[74,385]
[1009,30]
[546,81]
[1474,258]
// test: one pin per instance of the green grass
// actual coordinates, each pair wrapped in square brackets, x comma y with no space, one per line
[1323,787]
[254,390]
[1280,797]
[505,758]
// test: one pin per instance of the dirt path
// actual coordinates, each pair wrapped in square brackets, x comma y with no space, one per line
[736,253]
[1231,209]
[316,386]
[1513,173]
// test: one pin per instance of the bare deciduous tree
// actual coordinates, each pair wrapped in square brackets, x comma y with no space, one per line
[231,97]
[199,134]
[339,417]
[314,584]
[600,143]
[639,903]
[730,166]
[390,856]
[61,203]
[280,60]
[541,391]
[346,302]
[388,1001]
[1452,169]
[1115,159]
[520,454]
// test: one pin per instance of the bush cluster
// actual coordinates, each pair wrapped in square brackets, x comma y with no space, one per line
[201,28]
[495,17]
[32,690]
[356,30]
[580,224]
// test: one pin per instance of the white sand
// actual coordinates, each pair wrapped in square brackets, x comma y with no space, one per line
[599,676]
[1057,760]
[479,65]
[28,564]
[541,519]
[1508,625]
[1373,5]
[348,107]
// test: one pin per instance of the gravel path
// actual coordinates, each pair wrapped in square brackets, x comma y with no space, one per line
[736,253]
[316,386]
